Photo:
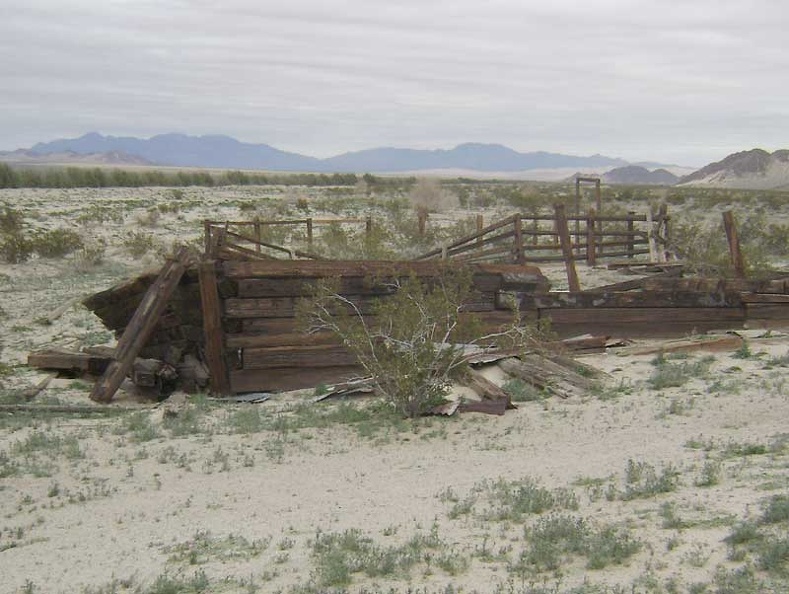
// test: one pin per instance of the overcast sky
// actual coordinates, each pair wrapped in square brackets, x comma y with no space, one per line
[677,81]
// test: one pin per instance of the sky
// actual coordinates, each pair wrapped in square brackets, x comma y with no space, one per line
[675,81]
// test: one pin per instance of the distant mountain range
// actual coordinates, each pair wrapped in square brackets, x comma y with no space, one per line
[754,168]
[223,152]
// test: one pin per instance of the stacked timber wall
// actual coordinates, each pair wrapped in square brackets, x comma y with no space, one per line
[263,345]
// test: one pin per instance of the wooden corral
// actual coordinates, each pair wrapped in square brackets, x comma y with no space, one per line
[227,320]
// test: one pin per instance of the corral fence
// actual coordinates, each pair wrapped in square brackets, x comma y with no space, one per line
[557,237]
[517,239]
[247,238]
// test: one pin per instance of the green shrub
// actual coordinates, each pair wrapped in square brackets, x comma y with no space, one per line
[409,345]
[57,243]
[15,248]
[138,243]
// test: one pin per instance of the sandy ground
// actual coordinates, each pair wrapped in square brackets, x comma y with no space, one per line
[239,498]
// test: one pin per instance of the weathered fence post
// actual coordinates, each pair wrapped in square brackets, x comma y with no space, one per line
[631,235]
[520,257]
[735,253]
[480,227]
[258,235]
[309,233]
[661,236]
[567,249]
[421,214]
[368,225]
[207,231]
[591,248]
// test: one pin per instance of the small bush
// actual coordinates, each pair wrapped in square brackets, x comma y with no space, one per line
[642,480]
[776,510]
[138,243]
[57,243]
[16,248]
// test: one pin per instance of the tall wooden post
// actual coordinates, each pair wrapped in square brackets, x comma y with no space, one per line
[207,239]
[662,232]
[368,225]
[212,328]
[309,233]
[567,249]
[735,253]
[631,234]
[591,248]
[520,257]
[258,235]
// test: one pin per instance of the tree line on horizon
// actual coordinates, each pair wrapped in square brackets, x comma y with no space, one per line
[96,177]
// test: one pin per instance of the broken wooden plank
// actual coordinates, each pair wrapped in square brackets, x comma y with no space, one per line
[140,327]
[728,342]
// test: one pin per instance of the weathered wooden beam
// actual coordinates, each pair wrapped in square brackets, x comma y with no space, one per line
[735,253]
[567,250]
[727,342]
[775,286]
[68,361]
[140,327]
[263,380]
[212,328]
[631,299]
[297,356]
[541,376]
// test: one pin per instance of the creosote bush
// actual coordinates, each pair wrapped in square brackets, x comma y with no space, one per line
[409,342]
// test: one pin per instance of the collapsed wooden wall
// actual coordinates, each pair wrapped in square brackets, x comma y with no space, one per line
[238,318]
[263,345]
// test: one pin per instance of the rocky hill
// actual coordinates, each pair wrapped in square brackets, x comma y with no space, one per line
[636,175]
[754,169]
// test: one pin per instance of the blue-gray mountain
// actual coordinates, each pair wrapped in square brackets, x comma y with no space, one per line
[224,152]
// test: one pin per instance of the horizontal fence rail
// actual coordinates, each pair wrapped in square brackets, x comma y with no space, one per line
[518,238]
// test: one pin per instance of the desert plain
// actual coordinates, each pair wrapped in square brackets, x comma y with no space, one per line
[671,476]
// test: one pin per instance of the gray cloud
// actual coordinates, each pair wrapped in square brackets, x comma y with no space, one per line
[643,79]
